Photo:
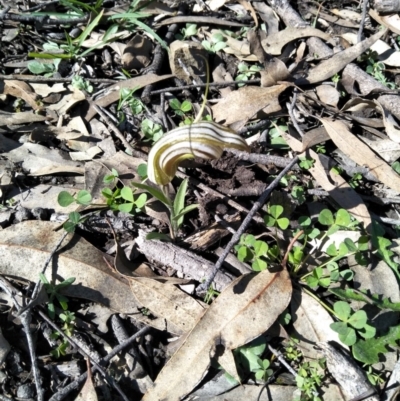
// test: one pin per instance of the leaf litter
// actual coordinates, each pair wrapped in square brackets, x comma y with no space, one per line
[99,93]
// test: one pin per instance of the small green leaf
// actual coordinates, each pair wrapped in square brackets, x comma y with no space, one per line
[74,217]
[142,170]
[260,248]
[244,254]
[358,320]
[127,194]
[126,207]
[259,265]
[342,309]
[186,106]
[275,211]
[65,199]
[249,239]
[175,104]
[69,227]
[283,223]
[351,246]
[141,201]
[326,217]
[304,221]
[343,218]
[184,211]
[269,221]
[84,197]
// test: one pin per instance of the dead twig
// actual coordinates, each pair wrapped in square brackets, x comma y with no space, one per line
[61,394]
[235,239]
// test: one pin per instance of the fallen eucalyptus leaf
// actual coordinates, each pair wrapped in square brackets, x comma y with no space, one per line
[243,311]
[352,147]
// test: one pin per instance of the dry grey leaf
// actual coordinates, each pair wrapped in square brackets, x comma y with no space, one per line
[22,90]
[248,102]
[347,142]
[328,94]
[167,301]
[24,117]
[33,240]
[67,101]
[386,148]
[273,43]
[311,322]
[243,311]
[391,125]
[328,68]
[391,22]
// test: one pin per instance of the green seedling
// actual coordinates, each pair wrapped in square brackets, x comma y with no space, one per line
[83,198]
[306,163]
[187,32]
[177,208]
[274,217]
[351,324]
[181,109]
[131,20]
[215,44]
[276,140]
[53,291]
[124,200]
[298,193]
[259,253]
[127,98]
[396,167]
[152,131]
[46,69]
[309,379]
[80,83]
[356,180]
[246,72]
[210,295]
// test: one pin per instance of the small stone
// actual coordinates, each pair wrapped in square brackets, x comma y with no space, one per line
[26,391]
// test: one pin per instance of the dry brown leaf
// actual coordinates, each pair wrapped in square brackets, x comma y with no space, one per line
[247,6]
[23,90]
[328,68]
[33,241]
[360,153]
[114,91]
[198,19]
[167,301]
[389,21]
[336,185]
[137,53]
[314,137]
[23,117]
[67,101]
[247,102]
[386,148]
[328,95]
[243,311]
[273,43]
[88,392]
[311,322]
[391,126]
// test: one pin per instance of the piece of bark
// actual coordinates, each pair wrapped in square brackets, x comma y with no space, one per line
[351,378]
[186,263]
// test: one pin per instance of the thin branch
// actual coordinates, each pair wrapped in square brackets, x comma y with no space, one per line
[235,239]
[61,394]
[110,380]
[363,16]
